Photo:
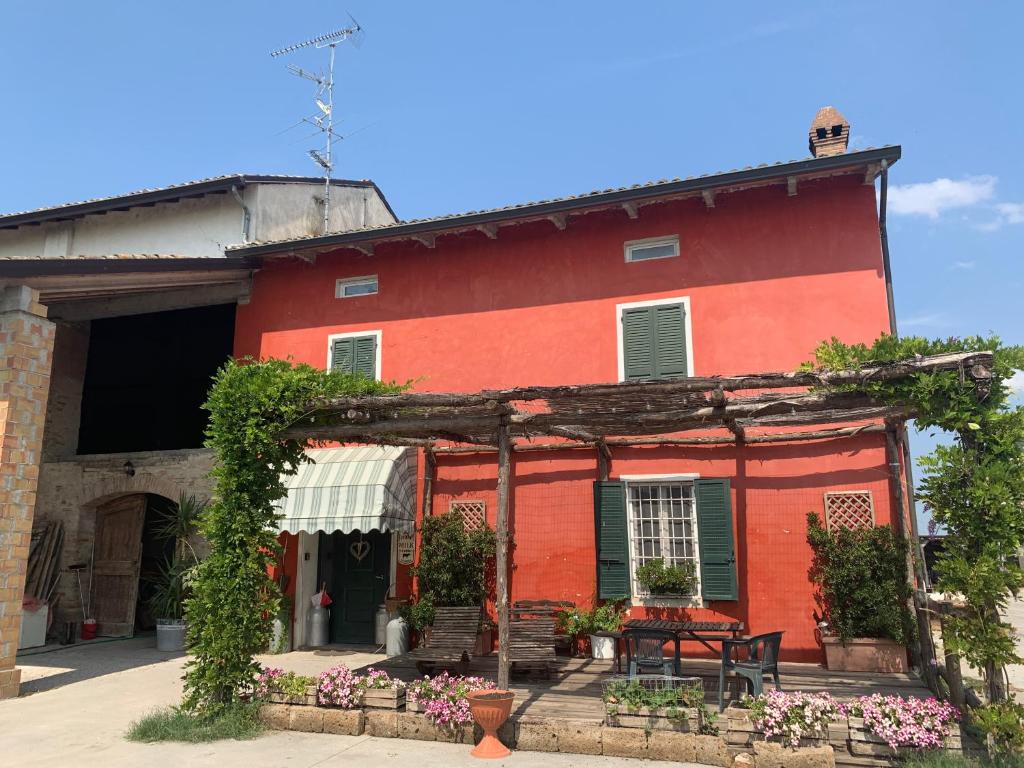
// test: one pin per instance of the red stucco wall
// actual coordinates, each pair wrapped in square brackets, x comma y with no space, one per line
[767,275]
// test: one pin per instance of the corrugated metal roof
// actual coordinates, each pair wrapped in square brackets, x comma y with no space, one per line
[645,189]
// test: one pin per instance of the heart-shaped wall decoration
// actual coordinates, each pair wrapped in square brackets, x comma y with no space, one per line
[359,550]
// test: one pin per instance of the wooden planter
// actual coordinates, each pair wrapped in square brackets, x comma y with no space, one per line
[864,743]
[382,698]
[415,706]
[865,654]
[683,719]
[308,699]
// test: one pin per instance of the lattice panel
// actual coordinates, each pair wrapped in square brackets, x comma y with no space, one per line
[474,513]
[849,509]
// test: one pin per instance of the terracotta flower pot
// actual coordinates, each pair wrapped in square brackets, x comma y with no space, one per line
[490,709]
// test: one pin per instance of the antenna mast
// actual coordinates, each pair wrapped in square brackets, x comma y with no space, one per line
[323,119]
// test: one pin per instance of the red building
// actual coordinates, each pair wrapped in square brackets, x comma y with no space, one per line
[744,271]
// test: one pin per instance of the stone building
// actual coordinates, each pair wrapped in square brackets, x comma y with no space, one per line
[114,313]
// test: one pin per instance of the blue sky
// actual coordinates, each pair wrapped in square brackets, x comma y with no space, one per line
[466,105]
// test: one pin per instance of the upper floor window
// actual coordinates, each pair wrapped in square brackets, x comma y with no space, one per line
[355,353]
[652,248]
[654,341]
[355,286]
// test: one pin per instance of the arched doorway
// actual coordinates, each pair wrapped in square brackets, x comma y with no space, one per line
[128,551]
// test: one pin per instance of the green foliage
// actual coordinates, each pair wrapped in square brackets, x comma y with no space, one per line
[973,488]
[578,623]
[293,684]
[661,579]
[233,601]
[171,584]
[173,580]
[419,615]
[456,565]
[1004,722]
[632,695]
[238,721]
[862,581]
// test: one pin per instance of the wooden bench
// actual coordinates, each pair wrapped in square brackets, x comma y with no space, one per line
[532,645]
[452,640]
[545,609]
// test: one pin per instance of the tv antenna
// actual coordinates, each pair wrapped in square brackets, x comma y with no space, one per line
[323,118]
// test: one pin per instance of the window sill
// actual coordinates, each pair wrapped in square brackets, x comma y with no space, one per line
[667,601]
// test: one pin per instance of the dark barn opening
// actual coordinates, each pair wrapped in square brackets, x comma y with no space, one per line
[147,377]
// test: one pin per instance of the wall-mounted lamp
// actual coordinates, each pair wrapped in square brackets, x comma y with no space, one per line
[129,469]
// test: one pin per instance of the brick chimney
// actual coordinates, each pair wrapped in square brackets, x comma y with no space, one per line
[829,134]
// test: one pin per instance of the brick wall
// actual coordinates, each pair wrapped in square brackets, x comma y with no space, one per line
[64,405]
[26,352]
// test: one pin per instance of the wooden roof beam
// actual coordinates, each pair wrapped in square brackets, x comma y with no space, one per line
[425,239]
[709,197]
[791,186]
[632,209]
[560,220]
[491,230]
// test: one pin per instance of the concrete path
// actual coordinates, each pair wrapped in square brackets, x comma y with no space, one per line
[78,702]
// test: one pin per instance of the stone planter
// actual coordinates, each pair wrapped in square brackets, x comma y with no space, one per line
[770,755]
[382,698]
[865,654]
[681,719]
[308,699]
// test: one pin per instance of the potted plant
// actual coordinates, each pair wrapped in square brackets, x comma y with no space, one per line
[864,594]
[178,522]
[490,708]
[577,624]
[455,569]
[675,580]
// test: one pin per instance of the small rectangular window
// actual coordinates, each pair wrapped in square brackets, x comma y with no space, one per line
[355,286]
[656,248]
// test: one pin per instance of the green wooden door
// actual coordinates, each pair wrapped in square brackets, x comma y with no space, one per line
[355,567]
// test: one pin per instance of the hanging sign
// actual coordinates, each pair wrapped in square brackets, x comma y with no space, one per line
[406,543]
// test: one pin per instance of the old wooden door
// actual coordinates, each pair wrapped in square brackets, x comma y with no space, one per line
[116,559]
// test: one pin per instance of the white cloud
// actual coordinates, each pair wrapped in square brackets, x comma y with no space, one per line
[1006,213]
[962,265]
[925,320]
[933,197]
[1016,383]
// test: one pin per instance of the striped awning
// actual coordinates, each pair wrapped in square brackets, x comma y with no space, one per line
[352,489]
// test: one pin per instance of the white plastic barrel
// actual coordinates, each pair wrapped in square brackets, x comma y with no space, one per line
[318,624]
[397,637]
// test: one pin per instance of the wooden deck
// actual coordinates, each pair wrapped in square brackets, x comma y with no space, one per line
[574,690]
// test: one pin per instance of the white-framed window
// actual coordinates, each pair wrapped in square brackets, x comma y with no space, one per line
[350,287]
[654,339]
[652,248]
[662,519]
[355,352]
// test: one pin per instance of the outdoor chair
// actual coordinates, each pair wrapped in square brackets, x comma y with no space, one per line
[452,640]
[532,645]
[544,609]
[645,648]
[762,658]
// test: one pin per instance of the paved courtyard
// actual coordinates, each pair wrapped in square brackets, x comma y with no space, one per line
[77,703]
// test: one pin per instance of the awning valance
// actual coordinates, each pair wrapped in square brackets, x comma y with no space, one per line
[352,489]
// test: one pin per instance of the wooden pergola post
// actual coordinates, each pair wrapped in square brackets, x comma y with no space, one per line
[501,559]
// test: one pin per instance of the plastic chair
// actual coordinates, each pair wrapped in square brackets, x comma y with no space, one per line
[762,658]
[644,648]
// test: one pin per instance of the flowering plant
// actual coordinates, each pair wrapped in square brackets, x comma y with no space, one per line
[338,687]
[793,716]
[266,682]
[443,698]
[910,722]
[276,680]
[378,679]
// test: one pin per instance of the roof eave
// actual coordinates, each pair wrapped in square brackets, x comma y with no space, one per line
[16,268]
[748,176]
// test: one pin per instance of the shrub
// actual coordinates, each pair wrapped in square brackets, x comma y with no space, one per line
[237,721]
[861,576]
[905,722]
[455,564]
[794,716]
[601,618]
[662,579]
[1002,722]
[443,698]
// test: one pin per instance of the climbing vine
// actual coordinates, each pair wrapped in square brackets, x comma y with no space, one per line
[233,601]
[973,488]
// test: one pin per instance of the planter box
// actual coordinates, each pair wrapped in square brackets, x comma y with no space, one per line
[865,654]
[864,743]
[308,699]
[382,698]
[415,706]
[684,720]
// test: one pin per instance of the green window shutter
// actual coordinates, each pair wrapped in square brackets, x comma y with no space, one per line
[355,354]
[612,540]
[714,534]
[366,356]
[637,343]
[654,342]
[343,355]
[669,340]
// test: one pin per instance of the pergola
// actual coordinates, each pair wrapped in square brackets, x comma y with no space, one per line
[724,410]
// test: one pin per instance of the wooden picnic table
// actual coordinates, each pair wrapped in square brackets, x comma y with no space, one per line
[703,632]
